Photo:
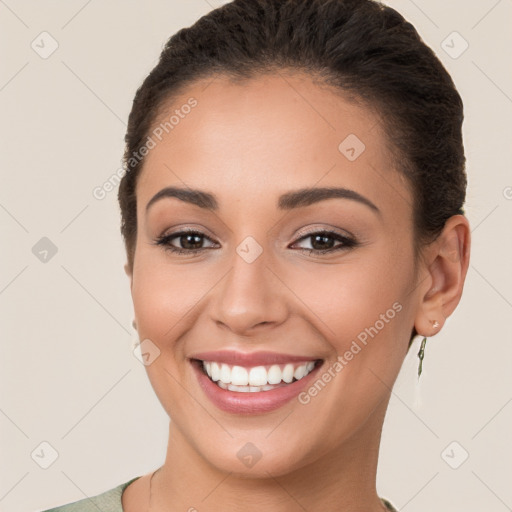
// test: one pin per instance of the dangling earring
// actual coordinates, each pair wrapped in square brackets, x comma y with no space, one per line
[421,355]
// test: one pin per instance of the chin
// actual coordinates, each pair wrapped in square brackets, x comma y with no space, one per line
[264,463]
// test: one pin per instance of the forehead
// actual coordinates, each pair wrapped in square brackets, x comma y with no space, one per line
[268,134]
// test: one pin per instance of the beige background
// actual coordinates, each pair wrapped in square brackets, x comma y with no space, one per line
[68,376]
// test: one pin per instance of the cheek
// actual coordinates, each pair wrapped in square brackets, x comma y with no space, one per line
[364,318]
[362,309]
[165,296]
[351,296]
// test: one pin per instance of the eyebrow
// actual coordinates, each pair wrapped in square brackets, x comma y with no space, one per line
[290,200]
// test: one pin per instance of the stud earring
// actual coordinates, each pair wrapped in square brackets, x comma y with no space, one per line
[134,324]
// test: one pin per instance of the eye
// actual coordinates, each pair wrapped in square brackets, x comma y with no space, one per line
[190,241]
[323,242]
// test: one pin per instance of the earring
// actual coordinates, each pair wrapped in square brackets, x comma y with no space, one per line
[421,355]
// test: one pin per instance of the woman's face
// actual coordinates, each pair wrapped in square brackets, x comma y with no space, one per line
[255,295]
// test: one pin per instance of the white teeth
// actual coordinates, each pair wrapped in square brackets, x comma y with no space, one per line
[274,374]
[288,373]
[240,389]
[225,373]
[239,376]
[257,378]
[300,371]
[215,375]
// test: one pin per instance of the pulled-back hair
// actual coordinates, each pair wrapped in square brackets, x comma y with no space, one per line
[362,48]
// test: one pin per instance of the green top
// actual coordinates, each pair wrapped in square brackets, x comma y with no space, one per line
[110,501]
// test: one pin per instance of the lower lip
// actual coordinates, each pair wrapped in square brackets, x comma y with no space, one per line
[251,402]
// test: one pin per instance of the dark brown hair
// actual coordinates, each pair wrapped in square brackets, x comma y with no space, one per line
[360,47]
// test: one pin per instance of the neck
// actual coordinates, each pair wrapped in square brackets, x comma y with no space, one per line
[342,479]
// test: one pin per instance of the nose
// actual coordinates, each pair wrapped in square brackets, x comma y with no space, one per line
[250,297]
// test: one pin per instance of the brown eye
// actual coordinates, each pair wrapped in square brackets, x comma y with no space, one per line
[323,242]
[189,242]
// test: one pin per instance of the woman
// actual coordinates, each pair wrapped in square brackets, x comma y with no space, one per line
[292,211]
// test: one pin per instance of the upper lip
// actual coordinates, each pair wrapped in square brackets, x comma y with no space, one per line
[249,359]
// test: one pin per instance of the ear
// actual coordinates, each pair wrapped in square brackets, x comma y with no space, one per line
[447,261]
[128,272]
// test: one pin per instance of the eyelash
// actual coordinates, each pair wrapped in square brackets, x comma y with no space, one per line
[165,242]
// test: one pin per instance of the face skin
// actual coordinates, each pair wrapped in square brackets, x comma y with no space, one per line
[247,144]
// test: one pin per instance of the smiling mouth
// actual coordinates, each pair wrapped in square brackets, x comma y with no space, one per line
[256,378]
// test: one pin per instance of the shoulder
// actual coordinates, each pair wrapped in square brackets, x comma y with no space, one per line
[108,501]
